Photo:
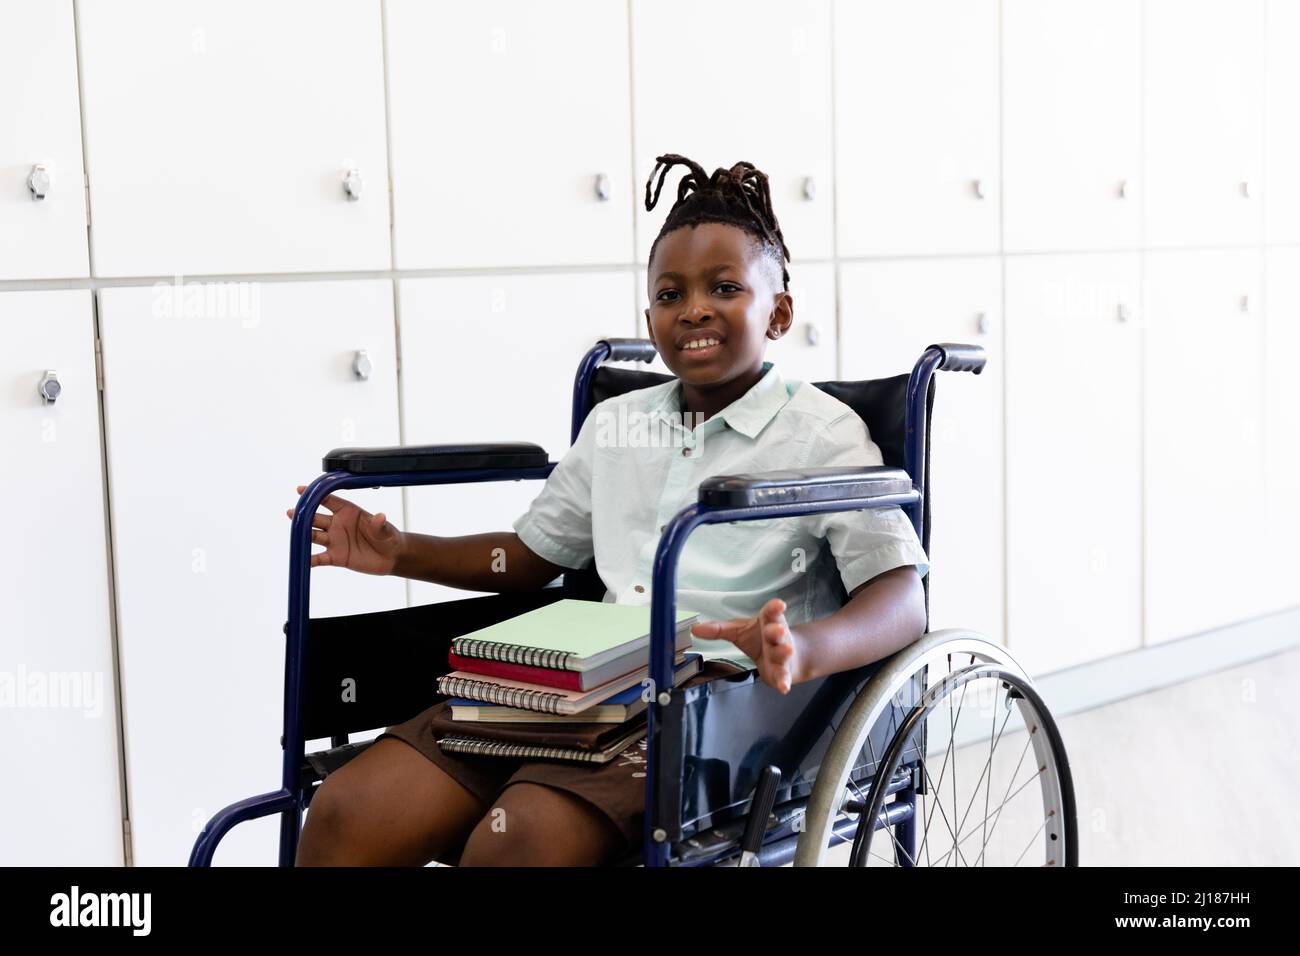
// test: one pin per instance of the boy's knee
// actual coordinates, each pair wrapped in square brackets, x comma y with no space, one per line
[533,825]
[332,821]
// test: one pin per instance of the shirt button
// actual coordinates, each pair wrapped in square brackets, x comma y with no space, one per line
[639,590]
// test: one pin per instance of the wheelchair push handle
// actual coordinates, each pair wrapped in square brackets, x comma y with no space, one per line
[960,358]
[630,350]
[759,811]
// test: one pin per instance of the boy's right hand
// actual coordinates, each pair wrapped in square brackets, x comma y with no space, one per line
[353,538]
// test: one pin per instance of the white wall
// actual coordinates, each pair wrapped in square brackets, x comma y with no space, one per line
[1102,194]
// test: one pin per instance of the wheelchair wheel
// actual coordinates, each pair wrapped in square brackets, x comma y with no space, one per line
[957,734]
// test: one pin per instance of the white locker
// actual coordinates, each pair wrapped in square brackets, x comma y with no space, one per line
[889,313]
[1282,428]
[1203,376]
[1282,122]
[510,133]
[807,352]
[223,137]
[1072,115]
[916,127]
[40,144]
[695,63]
[219,400]
[61,805]
[1074,458]
[493,358]
[1204,83]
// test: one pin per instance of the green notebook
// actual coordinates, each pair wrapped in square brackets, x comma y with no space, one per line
[568,635]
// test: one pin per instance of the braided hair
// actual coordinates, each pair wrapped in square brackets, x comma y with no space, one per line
[738,196]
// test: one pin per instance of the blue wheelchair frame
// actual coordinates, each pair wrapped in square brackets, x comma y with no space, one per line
[743,498]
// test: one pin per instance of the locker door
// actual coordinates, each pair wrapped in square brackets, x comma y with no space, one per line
[1282,123]
[890,311]
[1072,108]
[40,126]
[1205,541]
[61,805]
[724,81]
[220,136]
[220,399]
[1282,429]
[1074,459]
[1204,122]
[492,358]
[916,127]
[533,167]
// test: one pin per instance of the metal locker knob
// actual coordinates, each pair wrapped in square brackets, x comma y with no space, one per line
[1245,303]
[602,187]
[49,387]
[1123,312]
[978,186]
[813,334]
[38,181]
[361,365]
[1246,189]
[352,184]
[809,188]
[982,323]
[1123,189]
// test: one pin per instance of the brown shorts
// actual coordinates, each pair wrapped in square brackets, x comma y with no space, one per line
[616,788]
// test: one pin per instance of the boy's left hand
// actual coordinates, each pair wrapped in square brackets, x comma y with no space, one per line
[767,640]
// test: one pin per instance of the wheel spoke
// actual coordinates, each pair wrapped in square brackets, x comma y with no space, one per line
[976,826]
[986,770]
[1031,842]
[1028,743]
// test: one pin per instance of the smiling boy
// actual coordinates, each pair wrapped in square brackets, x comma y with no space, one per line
[770,591]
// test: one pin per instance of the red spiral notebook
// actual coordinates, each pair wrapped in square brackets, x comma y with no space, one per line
[548,677]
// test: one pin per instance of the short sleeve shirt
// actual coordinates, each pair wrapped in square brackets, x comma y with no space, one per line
[637,462]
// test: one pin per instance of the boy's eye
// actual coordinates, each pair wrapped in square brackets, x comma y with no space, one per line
[723,286]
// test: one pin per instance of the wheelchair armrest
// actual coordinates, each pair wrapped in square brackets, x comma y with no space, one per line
[410,458]
[802,487]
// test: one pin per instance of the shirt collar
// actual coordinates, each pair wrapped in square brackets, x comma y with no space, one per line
[748,414]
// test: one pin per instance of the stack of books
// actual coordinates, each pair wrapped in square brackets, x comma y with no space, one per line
[562,682]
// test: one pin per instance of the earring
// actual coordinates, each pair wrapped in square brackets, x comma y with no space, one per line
[776,333]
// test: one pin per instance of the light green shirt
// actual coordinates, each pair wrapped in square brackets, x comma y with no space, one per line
[635,464]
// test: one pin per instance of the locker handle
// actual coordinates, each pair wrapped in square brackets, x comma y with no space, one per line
[352,184]
[361,364]
[38,181]
[49,387]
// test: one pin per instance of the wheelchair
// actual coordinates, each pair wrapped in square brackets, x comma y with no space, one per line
[736,773]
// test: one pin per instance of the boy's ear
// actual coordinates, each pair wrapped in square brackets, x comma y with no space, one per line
[782,315]
[649,328]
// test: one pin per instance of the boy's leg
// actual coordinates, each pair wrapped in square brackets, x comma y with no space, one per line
[389,806]
[534,825]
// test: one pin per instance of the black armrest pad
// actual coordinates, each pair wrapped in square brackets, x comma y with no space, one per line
[801,487]
[371,461]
